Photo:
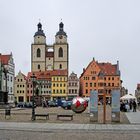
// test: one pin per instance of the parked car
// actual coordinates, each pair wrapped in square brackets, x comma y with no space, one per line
[52,103]
[67,105]
[21,104]
[29,105]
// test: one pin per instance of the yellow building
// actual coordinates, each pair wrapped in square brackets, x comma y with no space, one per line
[20,88]
[59,84]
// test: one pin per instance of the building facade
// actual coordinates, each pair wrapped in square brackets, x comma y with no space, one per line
[20,88]
[73,86]
[59,84]
[137,92]
[102,77]
[7,75]
[49,57]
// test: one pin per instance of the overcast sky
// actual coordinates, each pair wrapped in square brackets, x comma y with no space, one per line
[108,30]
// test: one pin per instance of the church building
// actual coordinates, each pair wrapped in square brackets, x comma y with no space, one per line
[49,57]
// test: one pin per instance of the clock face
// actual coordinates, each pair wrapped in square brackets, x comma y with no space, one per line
[60,37]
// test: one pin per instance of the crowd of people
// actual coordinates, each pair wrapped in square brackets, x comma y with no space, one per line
[127,106]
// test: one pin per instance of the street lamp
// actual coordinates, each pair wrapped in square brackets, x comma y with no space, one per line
[33,77]
[5,71]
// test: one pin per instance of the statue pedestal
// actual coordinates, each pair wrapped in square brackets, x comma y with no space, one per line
[115,116]
[94,117]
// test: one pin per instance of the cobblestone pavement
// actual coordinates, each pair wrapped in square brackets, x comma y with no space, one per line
[24,115]
[19,126]
[69,135]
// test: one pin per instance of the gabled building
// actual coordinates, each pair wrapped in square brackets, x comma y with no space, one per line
[7,76]
[20,88]
[73,86]
[102,77]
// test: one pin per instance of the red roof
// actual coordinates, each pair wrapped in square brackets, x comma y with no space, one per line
[59,72]
[49,54]
[40,75]
[108,68]
[47,74]
[4,59]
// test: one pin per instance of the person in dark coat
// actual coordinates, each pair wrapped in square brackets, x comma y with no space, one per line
[134,106]
[130,104]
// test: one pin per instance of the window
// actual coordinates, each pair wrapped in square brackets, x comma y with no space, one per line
[11,79]
[90,84]
[86,84]
[64,91]
[112,84]
[60,53]
[60,66]
[93,78]
[38,53]
[38,66]
[86,91]
[72,90]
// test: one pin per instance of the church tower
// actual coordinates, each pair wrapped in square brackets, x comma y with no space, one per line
[38,49]
[61,49]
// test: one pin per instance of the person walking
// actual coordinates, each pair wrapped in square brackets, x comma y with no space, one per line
[134,106]
[130,104]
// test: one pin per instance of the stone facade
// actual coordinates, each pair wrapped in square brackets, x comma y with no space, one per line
[73,86]
[49,57]
[137,92]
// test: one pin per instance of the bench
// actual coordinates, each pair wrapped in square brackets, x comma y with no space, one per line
[65,115]
[42,115]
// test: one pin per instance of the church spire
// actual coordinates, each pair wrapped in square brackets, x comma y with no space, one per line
[39,26]
[39,31]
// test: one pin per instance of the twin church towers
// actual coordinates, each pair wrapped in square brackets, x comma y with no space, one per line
[49,57]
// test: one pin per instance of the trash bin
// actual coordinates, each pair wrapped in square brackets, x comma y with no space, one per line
[8,112]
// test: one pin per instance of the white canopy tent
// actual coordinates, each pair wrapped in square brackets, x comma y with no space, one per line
[128,97]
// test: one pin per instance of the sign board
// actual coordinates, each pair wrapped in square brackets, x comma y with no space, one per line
[93,101]
[115,100]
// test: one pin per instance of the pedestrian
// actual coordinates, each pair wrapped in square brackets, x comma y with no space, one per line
[134,106]
[130,104]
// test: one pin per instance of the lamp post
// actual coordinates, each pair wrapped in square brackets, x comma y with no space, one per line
[5,71]
[33,77]
[104,109]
